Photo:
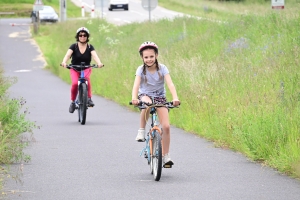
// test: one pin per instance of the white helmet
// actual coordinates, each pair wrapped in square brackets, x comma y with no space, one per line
[83,29]
[148,44]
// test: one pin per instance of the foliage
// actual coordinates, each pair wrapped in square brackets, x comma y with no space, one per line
[13,126]
[23,8]
[214,9]
[237,89]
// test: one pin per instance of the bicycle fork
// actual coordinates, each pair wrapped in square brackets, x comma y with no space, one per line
[148,150]
[81,80]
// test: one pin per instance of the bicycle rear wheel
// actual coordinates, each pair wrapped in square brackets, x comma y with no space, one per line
[156,158]
[82,99]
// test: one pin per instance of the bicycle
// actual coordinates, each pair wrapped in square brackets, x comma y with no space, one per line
[81,102]
[153,149]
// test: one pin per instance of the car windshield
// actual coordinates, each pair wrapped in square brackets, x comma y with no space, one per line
[47,10]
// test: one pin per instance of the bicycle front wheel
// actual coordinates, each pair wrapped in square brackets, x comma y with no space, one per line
[156,157]
[82,101]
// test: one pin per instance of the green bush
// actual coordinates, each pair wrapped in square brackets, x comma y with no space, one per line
[238,81]
[15,129]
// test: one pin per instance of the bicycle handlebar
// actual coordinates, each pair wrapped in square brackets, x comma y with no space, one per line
[79,67]
[142,104]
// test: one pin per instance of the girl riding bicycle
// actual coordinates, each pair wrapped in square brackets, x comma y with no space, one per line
[149,85]
[80,52]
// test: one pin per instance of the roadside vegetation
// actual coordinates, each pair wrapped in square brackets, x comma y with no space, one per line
[13,126]
[23,8]
[216,9]
[237,78]
[238,81]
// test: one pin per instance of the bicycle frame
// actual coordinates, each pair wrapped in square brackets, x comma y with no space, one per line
[81,80]
[82,96]
[150,134]
[153,148]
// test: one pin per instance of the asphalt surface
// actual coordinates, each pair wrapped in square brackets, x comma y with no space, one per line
[100,160]
[136,12]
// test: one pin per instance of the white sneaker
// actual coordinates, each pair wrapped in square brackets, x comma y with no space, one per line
[167,160]
[141,135]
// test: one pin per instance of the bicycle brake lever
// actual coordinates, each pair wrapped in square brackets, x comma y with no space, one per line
[142,107]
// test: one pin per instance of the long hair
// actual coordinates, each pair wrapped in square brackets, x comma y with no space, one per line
[157,68]
[156,62]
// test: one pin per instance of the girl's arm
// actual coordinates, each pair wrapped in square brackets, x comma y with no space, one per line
[96,58]
[172,89]
[135,90]
[66,58]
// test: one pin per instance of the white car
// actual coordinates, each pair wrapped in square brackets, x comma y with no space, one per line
[118,4]
[48,14]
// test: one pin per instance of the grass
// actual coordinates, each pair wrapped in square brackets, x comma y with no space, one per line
[23,8]
[237,89]
[226,9]
[13,125]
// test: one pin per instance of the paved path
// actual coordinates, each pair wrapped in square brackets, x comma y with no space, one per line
[100,160]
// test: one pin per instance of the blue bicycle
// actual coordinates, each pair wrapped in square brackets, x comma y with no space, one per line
[153,149]
[82,95]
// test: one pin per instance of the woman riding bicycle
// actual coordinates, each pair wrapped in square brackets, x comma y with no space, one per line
[149,84]
[81,51]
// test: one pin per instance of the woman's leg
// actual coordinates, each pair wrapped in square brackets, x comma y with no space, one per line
[87,74]
[163,115]
[74,87]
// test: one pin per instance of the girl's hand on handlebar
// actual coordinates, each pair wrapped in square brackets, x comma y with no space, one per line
[135,101]
[176,102]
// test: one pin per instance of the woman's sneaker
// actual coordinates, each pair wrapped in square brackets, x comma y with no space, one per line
[90,103]
[167,161]
[72,107]
[141,135]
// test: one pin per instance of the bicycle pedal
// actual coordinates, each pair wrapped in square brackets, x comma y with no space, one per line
[168,165]
[145,154]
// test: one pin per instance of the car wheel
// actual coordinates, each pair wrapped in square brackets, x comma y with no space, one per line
[110,8]
[126,7]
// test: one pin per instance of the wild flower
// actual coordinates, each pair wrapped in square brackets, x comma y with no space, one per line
[112,41]
[240,43]
[89,22]
[104,28]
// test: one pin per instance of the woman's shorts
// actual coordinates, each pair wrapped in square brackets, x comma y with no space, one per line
[157,100]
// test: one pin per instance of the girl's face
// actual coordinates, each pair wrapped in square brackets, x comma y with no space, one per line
[149,57]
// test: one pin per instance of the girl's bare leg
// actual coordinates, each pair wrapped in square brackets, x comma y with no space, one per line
[142,116]
[163,116]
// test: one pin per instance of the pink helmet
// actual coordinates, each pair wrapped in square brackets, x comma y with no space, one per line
[148,44]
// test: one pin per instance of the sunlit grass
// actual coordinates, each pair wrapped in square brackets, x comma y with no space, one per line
[23,8]
[13,126]
[238,81]
[227,9]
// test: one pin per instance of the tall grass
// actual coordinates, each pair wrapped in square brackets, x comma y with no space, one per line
[13,125]
[238,81]
[227,9]
[23,8]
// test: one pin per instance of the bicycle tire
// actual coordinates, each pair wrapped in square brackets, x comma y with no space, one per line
[82,98]
[156,158]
